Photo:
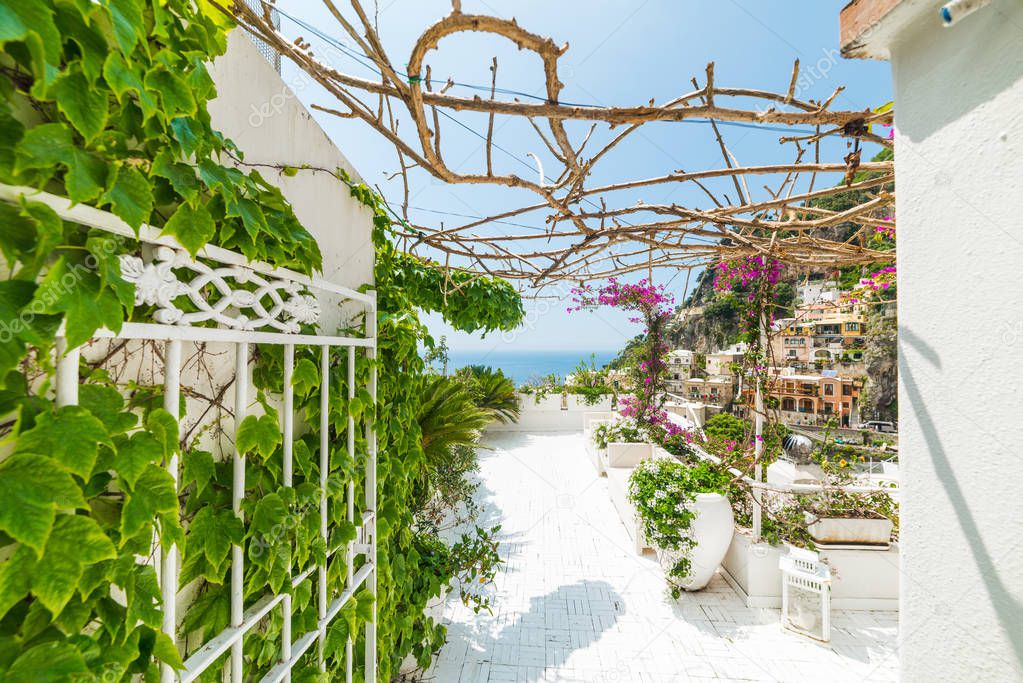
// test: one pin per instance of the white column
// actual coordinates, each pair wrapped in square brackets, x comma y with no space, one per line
[350,502]
[287,475]
[371,496]
[241,402]
[324,466]
[169,565]
[67,373]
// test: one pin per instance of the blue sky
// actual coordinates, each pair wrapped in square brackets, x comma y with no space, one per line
[620,53]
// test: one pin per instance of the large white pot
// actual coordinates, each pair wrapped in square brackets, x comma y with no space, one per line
[712,531]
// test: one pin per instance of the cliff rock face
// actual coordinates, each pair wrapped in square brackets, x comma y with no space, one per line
[879,398]
[711,322]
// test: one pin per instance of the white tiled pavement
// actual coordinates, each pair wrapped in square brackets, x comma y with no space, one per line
[575,603]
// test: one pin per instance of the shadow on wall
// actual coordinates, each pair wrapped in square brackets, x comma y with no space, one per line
[1006,606]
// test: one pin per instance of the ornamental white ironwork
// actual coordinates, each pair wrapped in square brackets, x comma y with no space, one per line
[243,298]
[237,289]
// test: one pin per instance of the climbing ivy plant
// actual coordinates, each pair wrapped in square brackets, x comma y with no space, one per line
[105,103]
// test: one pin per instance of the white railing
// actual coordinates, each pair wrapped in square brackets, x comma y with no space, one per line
[164,275]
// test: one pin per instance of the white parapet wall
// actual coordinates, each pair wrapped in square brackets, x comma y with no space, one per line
[554,413]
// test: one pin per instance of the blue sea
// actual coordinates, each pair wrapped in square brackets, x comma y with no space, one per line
[523,365]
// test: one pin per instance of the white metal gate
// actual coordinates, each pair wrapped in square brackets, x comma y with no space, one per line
[241,318]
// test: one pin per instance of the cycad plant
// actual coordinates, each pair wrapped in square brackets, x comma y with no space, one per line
[492,391]
[449,416]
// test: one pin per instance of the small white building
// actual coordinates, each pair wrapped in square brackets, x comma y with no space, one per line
[680,368]
[720,362]
[821,291]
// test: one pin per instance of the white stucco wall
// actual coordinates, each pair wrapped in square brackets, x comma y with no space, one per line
[959,178]
[262,114]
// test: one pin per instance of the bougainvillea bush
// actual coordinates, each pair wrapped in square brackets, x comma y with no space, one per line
[653,307]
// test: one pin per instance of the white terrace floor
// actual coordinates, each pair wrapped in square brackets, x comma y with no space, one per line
[575,603]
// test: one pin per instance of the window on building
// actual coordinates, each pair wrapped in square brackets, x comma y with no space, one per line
[829,390]
[852,327]
[847,390]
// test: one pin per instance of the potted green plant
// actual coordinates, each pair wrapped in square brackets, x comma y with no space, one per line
[685,514]
[838,517]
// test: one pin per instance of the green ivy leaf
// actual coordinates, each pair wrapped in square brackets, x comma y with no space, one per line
[143,592]
[107,404]
[14,294]
[135,454]
[75,542]
[252,216]
[177,98]
[306,377]
[188,134]
[71,437]
[181,176]
[49,233]
[129,26]
[77,292]
[16,578]
[192,226]
[364,602]
[43,146]
[33,488]
[164,427]
[32,22]
[86,177]
[200,468]
[260,435]
[130,196]
[152,494]
[269,517]
[123,80]
[166,651]
[84,105]
[213,532]
[52,662]
[92,45]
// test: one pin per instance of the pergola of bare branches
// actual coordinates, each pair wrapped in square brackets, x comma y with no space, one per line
[589,234]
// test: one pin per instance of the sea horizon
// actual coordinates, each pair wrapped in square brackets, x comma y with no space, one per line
[522,365]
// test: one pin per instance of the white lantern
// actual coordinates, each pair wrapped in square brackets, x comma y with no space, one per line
[805,594]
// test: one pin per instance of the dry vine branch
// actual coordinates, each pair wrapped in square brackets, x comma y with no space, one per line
[589,232]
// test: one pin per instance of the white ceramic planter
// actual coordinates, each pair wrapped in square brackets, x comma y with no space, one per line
[627,454]
[849,531]
[712,530]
